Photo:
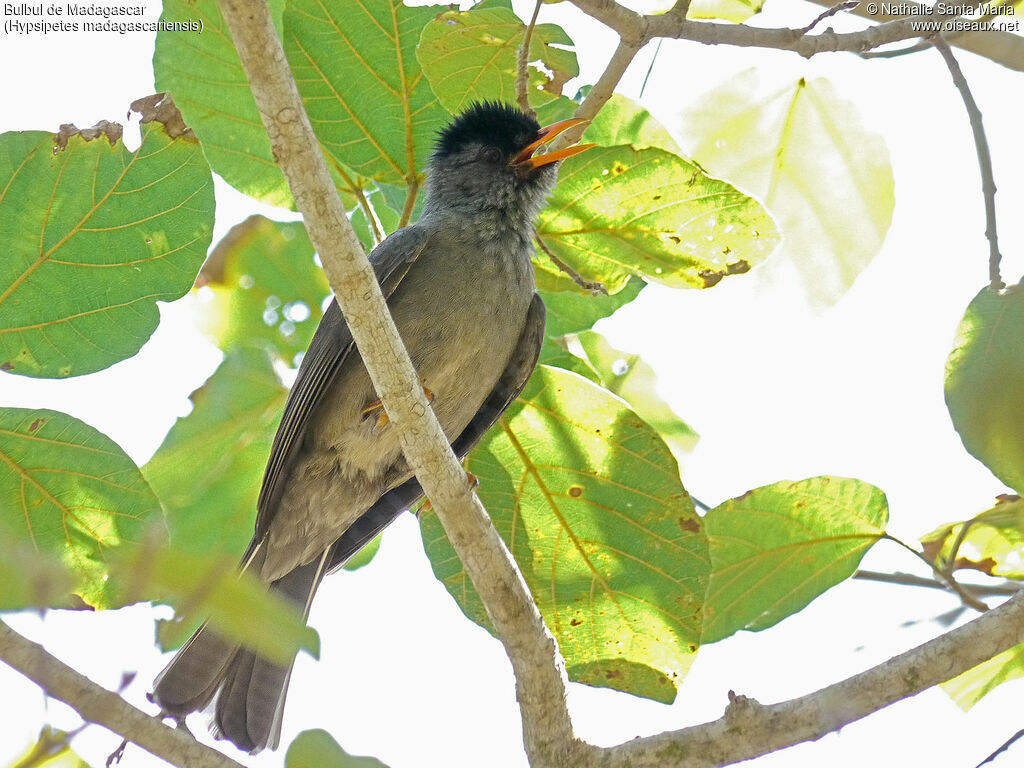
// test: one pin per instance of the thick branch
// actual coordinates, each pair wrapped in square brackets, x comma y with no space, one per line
[98,705]
[749,729]
[540,679]
[988,183]
[631,26]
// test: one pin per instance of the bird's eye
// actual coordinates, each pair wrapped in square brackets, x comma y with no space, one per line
[491,155]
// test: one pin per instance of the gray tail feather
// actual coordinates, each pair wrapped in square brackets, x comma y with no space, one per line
[250,704]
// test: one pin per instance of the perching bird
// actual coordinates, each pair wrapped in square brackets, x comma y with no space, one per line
[459,285]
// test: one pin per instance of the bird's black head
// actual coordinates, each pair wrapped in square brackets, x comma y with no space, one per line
[484,161]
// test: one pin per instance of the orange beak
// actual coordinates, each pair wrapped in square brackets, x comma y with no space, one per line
[546,135]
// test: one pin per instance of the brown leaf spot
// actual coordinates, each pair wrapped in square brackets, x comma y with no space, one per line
[36,425]
[740,267]
[932,549]
[103,128]
[575,622]
[985,566]
[619,168]
[688,525]
[742,496]
[7,366]
[711,277]
[575,491]
[613,674]
[160,107]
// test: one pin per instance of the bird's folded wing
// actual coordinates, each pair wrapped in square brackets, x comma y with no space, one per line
[509,385]
[327,352]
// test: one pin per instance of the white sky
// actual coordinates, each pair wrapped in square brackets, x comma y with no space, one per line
[776,391]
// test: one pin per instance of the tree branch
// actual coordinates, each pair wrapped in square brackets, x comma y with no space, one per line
[631,25]
[1005,48]
[988,183]
[540,677]
[748,729]
[523,64]
[98,705]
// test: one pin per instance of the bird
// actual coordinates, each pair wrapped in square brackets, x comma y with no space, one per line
[459,284]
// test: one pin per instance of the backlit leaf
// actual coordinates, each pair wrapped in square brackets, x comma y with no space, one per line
[318,749]
[267,287]
[70,493]
[776,548]
[588,499]
[207,471]
[803,151]
[92,237]
[976,683]
[472,56]
[355,66]
[985,383]
[618,211]
[993,542]
[623,121]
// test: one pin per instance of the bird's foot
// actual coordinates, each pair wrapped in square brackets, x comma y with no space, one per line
[473,481]
[382,416]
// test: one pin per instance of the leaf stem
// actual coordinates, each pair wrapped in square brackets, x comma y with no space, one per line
[588,285]
[965,596]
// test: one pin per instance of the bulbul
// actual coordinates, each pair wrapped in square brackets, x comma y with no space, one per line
[459,284]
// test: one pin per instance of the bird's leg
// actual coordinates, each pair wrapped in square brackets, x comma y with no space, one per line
[473,481]
[382,417]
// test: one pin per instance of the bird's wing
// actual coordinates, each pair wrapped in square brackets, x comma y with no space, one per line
[506,389]
[327,352]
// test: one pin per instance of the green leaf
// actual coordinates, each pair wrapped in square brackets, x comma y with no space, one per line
[587,497]
[776,548]
[619,211]
[803,151]
[207,471]
[355,65]
[70,493]
[985,383]
[267,286]
[569,311]
[205,76]
[628,376]
[236,605]
[364,555]
[472,56]
[52,750]
[623,121]
[974,684]
[318,749]
[993,542]
[93,236]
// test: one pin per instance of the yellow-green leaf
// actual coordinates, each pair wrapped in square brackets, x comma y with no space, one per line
[587,496]
[974,684]
[618,211]
[70,493]
[802,150]
[985,382]
[776,548]
[92,237]
[993,542]
[318,749]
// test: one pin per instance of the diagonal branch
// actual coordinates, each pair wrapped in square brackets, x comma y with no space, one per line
[98,705]
[749,729]
[540,677]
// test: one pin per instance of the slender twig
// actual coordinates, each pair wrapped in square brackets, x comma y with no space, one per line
[650,68]
[988,184]
[539,674]
[846,5]
[1005,746]
[962,592]
[523,64]
[410,202]
[910,580]
[588,285]
[957,543]
[98,705]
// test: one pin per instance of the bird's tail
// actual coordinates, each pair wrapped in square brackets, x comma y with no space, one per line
[250,702]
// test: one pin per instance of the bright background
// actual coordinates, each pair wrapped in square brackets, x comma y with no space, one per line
[776,390]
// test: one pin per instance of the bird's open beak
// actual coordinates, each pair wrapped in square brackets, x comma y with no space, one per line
[546,135]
